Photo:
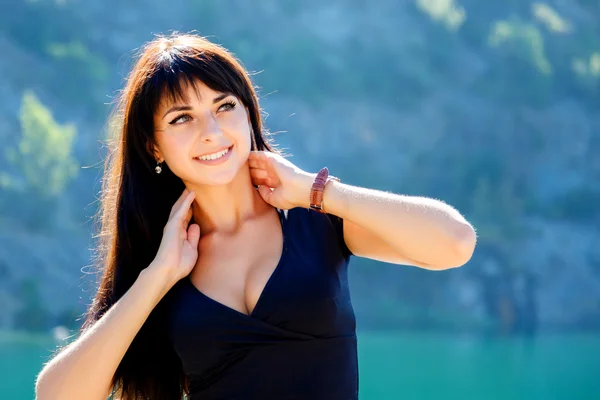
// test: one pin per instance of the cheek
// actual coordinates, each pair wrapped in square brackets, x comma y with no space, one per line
[243,145]
[177,141]
[239,128]
[175,149]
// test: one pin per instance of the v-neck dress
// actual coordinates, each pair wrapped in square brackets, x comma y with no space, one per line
[299,342]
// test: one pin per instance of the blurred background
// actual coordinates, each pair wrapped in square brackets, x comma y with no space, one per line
[493,107]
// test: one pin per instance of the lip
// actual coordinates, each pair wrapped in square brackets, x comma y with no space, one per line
[218,160]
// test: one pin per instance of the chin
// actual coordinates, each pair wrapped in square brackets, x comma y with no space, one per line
[219,178]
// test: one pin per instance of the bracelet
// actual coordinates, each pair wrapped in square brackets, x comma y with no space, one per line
[316,191]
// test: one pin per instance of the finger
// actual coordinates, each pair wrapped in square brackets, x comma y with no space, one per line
[188,217]
[193,235]
[182,212]
[257,163]
[181,198]
[259,173]
[260,182]
[257,154]
[254,163]
[184,224]
[259,157]
[265,193]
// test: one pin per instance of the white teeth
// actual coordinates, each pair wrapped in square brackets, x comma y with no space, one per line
[213,156]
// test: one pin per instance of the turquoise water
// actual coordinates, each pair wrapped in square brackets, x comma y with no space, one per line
[411,366]
[434,366]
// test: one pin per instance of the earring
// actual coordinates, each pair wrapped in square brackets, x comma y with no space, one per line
[158,169]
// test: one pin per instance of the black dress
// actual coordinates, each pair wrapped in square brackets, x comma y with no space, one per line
[299,342]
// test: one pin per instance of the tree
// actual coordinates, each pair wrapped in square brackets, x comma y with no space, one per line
[43,157]
[41,165]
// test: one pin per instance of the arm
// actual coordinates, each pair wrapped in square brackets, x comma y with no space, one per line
[379,225]
[85,368]
[400,229]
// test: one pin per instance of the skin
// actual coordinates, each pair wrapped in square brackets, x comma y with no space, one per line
[241,239]
[234,249]
[225,197]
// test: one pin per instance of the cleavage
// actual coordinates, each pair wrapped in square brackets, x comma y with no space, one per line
[235,270]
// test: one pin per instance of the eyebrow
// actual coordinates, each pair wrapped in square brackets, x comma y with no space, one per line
[187,107]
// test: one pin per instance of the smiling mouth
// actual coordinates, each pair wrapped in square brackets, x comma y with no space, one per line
[214,156]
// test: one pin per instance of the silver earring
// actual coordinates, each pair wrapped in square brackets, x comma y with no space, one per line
[158,169]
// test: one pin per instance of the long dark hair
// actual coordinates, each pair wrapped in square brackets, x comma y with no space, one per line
[135,201]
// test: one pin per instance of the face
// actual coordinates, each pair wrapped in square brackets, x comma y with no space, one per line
[206,139]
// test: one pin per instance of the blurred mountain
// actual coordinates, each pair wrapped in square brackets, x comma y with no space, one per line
[490,106]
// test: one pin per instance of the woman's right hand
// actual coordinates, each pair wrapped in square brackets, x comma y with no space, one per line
[178,250]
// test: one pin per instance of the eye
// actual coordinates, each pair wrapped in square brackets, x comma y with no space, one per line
[228,105]
[185,118]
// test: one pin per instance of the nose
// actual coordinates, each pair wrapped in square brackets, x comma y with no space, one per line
[208,128]
[210,131]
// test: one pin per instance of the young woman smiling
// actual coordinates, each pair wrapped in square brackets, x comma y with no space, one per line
[224,264]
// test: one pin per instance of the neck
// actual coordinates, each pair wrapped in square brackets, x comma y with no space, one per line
[224,208]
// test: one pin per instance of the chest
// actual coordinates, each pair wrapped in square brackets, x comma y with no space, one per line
[303,288]
[234,271]
[218,312]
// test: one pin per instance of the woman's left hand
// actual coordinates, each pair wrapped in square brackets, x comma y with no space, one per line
[281,184]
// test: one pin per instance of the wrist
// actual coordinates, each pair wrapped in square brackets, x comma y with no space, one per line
[330,201]
[157,277]
[317,192]
[304,185]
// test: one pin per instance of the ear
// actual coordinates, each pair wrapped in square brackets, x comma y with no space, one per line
[153,150]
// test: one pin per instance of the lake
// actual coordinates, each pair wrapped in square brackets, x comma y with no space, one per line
[410,366]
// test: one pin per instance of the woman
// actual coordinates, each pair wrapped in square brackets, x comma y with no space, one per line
[224,265]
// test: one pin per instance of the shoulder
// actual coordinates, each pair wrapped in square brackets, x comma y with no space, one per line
[325,228]
[310,219]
